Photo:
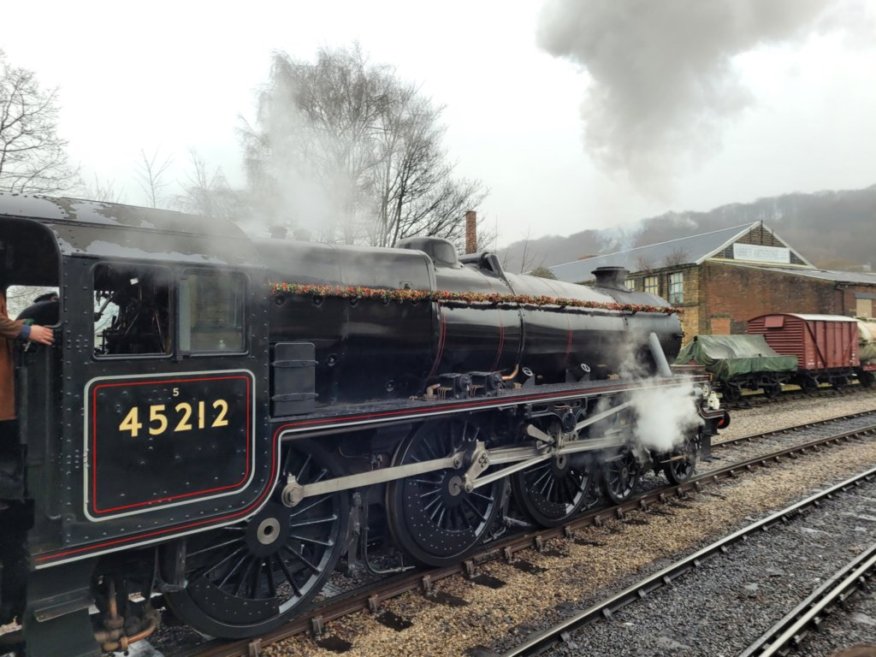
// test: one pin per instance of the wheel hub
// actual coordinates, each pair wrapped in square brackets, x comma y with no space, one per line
[268,532]
[454,485]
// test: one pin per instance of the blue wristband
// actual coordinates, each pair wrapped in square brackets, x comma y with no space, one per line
[25,332]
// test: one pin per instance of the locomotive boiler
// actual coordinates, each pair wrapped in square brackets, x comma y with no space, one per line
[222,419]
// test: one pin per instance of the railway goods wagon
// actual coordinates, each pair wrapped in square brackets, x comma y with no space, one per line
[826,346]
[737,362]
[222,419]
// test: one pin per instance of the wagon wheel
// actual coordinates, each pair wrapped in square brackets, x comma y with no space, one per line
[731,394]
[620,475]
[245,579]
[680,470]
[772,390]
[809,384]
[431,516]
[555,490]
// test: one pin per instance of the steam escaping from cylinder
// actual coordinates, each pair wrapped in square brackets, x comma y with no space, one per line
[663,76]
[665,415]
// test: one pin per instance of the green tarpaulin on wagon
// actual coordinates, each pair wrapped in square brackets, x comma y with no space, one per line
[727,356]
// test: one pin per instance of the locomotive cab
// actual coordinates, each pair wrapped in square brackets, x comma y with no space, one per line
[150,409]
[29,262]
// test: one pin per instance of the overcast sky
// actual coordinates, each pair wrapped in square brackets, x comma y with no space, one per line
[532,94]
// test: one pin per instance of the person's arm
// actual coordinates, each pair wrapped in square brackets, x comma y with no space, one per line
[12,329]
[40,334]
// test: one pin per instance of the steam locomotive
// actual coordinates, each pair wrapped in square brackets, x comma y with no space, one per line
[222,419]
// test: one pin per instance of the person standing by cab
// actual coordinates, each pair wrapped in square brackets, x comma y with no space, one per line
[10,331]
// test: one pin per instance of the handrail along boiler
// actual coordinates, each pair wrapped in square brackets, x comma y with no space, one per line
[222,419]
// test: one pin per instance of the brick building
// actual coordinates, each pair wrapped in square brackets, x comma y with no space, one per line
[724,278]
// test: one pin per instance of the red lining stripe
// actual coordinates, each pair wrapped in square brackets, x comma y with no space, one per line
[501,342]
[442,338]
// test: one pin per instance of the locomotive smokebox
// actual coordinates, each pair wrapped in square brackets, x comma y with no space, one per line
[611,277]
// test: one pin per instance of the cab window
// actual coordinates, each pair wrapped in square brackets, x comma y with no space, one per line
[132,310]
[211,312]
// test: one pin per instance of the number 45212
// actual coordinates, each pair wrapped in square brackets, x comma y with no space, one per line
[185,417]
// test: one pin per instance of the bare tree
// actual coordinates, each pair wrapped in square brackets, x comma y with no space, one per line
[104,190]
[151,175]
[32,156]
[209,194]
[678,256]
[529,256]
[344,148]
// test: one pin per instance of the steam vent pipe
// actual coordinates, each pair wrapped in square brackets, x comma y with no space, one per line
[658,355]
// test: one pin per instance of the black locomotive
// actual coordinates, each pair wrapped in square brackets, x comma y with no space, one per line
[222,419]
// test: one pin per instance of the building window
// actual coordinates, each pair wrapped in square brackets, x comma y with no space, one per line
[631,284]
[676,287]
[652,285]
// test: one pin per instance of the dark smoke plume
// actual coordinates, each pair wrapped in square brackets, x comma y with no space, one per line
[662,72]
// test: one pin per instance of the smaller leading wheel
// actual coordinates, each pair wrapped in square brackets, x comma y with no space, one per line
[620,475]
[684,464]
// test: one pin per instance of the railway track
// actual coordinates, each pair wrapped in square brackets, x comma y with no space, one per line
[770,643]
[371,597]
[796,625]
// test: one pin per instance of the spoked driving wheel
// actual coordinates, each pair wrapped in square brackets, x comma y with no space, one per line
[431,515]
[683,463]
[620,475]
[248,578]
[555,490]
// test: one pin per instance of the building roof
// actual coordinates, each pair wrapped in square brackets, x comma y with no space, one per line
[858,277]
[693,249]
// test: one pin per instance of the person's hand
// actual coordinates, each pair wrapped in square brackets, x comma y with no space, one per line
[41,335]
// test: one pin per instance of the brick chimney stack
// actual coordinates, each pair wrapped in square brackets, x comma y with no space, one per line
[471,231]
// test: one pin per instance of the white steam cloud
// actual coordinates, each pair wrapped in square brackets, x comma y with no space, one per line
[665,415]
[662,73]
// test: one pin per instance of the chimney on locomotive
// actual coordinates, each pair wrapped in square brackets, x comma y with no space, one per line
[611,277]
[471,231]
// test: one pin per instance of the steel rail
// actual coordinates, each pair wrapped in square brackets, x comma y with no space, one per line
[556,634]
[793,627]
[369,597]
[791,429]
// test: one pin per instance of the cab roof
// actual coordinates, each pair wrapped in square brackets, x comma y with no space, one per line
[96,229]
